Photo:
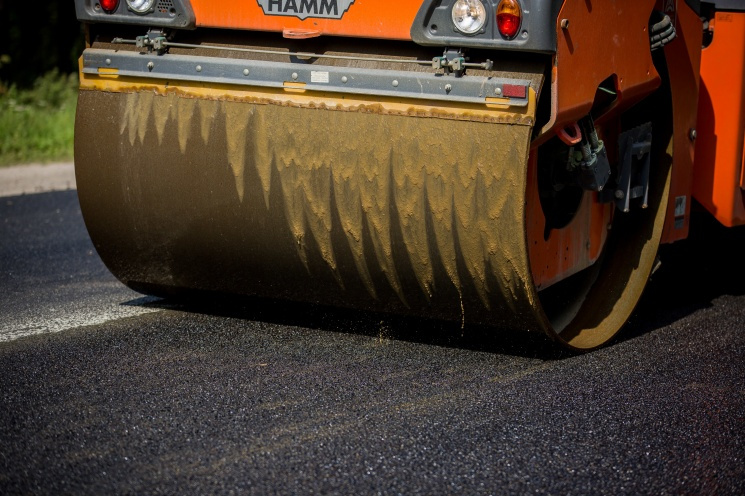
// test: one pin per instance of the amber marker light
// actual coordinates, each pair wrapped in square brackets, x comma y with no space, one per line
[109,6]
[509,15]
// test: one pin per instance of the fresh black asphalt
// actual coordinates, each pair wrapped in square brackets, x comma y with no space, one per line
[263,397]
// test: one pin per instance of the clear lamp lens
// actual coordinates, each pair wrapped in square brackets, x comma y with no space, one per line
[469,16]
[140,6]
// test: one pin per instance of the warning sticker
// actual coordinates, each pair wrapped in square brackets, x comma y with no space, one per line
[319,77]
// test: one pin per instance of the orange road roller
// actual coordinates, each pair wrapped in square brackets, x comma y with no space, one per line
[513,163]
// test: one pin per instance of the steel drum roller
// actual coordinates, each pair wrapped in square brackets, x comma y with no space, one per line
[389,206]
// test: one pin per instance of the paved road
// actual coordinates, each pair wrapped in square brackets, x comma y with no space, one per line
[50,276]
[143,396]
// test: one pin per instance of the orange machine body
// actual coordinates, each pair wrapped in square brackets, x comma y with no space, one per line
[596,60]
[719,175]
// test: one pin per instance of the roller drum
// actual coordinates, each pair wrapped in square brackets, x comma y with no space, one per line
[364,209]
[390,207]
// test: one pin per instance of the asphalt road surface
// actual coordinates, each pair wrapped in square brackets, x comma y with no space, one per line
[104,391]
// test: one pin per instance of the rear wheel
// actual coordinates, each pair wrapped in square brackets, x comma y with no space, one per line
[591,261]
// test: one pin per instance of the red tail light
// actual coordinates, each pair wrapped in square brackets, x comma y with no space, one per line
[509,15]
[109,6]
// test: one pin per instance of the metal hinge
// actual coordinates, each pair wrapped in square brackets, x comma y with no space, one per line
[155,40]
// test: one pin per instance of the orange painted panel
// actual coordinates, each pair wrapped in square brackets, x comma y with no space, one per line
[383,19]
[683,57]
[567,250]
[718,173]
[601,38]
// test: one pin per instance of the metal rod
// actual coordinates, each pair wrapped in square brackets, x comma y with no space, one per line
[296,54]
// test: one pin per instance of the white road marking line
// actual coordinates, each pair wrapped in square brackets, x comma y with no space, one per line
[60,317]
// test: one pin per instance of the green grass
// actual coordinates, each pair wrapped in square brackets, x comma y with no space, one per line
[36,124]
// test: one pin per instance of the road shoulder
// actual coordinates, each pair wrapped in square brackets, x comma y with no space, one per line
[36,178]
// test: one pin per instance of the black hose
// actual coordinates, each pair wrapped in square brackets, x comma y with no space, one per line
[662,35]
[664,23]
[661,32]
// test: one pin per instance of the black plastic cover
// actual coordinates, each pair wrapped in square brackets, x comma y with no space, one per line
[165,13]
[433,26]
[728,5]
[695,6]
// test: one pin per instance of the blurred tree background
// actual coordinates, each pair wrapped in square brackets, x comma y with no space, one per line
[39,48]
[36,39]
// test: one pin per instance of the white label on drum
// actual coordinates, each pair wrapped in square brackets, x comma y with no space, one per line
[319,77]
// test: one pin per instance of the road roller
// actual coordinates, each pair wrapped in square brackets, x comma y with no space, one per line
[508,163]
